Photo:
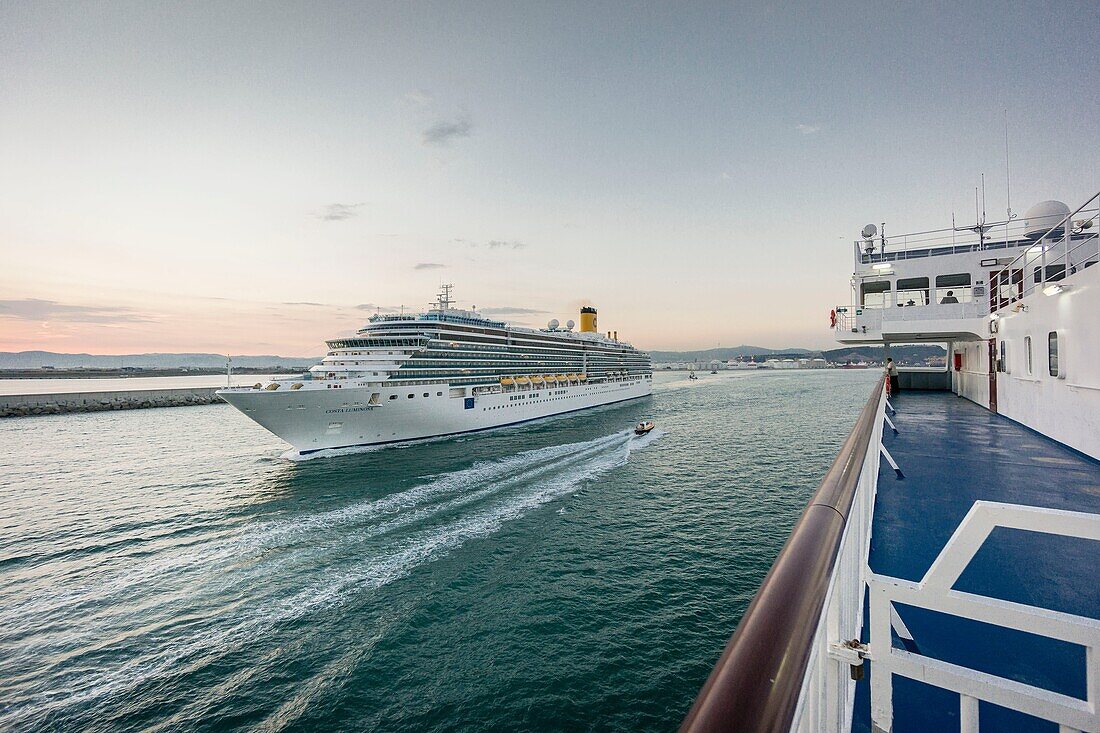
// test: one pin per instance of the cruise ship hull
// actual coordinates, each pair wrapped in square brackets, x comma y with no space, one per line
[312,420]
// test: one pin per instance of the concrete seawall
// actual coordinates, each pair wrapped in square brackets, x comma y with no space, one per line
[22,405]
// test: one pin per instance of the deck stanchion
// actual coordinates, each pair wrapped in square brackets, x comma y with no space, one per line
[890,460]
[890,423]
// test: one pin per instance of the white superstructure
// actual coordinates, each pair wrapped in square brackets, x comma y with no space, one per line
[1015,303]
[444,372]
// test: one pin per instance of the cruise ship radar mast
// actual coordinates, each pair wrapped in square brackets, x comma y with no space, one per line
[443,299]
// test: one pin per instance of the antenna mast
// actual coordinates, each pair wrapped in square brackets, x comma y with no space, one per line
[444,301]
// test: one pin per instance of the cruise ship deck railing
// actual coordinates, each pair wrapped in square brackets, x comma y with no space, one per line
[789,666]
[1050,260]
[934,592]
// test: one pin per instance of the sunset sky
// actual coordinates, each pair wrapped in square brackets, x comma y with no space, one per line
[256,177]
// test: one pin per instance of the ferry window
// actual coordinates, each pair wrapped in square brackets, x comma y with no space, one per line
[1027,352]
[875,293]
[1054,273]
[438,394]
[1052,353]
[425,394]
[954,288]
[1002,365]
[393,397]
[912,291]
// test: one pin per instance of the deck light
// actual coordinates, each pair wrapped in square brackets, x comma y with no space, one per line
[994,316]
[1053,289]
[881,266]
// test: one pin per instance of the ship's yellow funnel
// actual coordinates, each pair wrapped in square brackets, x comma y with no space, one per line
[588,319]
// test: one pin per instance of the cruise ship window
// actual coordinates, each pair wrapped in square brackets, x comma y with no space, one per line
[912,291]
[393,397]
[954,288]
[411,396]
[875,293]
[1052,353]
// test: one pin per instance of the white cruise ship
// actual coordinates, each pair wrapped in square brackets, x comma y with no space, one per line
[444,372]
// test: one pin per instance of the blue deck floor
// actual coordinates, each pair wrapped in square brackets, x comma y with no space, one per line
[954,453]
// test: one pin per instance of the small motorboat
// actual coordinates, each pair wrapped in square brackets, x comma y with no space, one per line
[644,427]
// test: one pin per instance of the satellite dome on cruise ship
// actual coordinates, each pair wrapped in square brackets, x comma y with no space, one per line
[1044,215]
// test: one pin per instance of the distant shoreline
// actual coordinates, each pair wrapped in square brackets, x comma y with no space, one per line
[125,373]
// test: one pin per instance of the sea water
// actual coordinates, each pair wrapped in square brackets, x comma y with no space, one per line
[166,569]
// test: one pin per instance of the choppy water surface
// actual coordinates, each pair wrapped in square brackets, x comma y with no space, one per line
[165,569]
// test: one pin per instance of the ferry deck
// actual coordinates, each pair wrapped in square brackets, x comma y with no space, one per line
[945,576]
[952,454]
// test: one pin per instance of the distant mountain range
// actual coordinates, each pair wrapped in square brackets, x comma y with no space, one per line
[39,359]
[723,354]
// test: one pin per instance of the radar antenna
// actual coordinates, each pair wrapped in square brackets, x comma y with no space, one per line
[980,227]
[443,299]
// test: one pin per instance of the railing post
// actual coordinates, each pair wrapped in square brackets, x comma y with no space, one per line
[968,714]
[882,694]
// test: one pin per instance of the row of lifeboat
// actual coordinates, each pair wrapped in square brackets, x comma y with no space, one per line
[540,380]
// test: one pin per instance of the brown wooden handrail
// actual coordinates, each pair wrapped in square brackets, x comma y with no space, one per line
[756,684]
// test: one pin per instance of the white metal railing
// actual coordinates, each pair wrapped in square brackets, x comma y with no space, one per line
[990,236]
[1050,260]
[934,592]
[940,241]
[873,319]
[829,688]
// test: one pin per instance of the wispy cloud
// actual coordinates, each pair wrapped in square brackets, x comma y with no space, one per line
[375,307]
[428,266]
[507,310]
[33,309]
[492,243]
[304,302]
[443,132]
[337,212]
[419,98]
[806,129]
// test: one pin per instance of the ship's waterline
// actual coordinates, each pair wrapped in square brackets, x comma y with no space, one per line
[557,574]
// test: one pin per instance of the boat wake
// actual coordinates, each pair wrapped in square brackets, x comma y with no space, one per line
[132,624]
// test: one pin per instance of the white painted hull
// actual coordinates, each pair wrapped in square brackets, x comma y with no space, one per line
[318,419]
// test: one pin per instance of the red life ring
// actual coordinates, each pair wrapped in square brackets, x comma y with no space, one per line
[832,319]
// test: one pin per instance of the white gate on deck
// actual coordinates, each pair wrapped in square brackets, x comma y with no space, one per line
[934,592]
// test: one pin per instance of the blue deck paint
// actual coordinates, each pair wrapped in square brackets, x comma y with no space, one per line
[953,453]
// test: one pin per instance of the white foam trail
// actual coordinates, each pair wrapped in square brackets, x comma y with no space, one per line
[203,646]
[282,532]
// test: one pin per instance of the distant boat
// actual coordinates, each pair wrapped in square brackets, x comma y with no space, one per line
[713,371]
[691,375]
[644,427]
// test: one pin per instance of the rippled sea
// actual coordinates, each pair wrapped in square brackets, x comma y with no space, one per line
[165,569]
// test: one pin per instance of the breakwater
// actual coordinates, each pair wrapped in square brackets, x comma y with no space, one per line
[24,405]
